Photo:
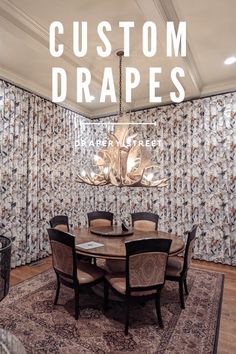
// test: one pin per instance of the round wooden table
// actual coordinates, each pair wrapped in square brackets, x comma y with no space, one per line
[113,247]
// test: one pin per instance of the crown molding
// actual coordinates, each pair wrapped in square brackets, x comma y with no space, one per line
[165,11]
[28,85]
[169,13]
[15,79]
[159,11]
[218,88]
[136,105]
[40,34]
[152,12]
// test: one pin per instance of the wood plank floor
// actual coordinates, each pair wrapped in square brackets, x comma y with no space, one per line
[227,337]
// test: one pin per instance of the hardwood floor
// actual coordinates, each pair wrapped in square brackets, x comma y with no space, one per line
[20,274]
[227,336]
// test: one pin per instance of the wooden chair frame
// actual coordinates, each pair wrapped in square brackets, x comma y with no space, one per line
[73,281]
[132,248]
[106,215]
[145,216]
[182,278]
[59,220]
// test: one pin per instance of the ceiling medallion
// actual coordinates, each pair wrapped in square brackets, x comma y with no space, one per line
[123,163]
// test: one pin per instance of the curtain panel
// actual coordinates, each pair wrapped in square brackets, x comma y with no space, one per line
[40,161]
[37,169]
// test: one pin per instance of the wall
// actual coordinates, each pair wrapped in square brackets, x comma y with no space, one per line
[40,163]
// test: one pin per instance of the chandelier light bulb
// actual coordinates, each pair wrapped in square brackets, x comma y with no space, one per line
[130,165]
[149,177]
[123,166]
[96,158]
[129,140]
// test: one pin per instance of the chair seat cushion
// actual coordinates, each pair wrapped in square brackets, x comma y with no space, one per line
[100,222]
[61,227]
[87,273]
[144,225]
[118,282]
[174,266]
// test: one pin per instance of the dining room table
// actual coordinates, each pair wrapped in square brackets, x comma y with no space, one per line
[108,242]
[107,245]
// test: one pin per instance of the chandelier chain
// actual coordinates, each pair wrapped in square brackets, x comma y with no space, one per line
[121,166]
[120,84]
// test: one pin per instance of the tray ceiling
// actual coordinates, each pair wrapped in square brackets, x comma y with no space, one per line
[25,58]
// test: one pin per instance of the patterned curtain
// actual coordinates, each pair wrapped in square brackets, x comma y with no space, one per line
[37,169]
[40,162]
[197,151]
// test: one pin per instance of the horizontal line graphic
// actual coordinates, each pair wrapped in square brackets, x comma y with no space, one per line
[100,123]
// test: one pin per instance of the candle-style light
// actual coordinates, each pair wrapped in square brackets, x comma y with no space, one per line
[123,163]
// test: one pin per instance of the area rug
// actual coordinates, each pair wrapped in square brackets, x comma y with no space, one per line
[28,313]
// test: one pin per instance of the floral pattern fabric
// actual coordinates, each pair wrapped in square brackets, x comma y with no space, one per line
[41,159]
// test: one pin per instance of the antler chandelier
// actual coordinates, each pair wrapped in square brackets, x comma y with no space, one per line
[122,162]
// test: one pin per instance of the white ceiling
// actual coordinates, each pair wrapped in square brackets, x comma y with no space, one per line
[25,58]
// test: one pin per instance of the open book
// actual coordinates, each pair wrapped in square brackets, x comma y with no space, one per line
[90,245]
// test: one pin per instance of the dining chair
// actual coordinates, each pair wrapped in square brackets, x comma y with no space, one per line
[60,222]
[145,221]
[144,277]
[100,218]
[177,267]
[69,271]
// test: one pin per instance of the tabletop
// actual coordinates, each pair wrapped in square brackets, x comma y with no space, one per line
[114,247]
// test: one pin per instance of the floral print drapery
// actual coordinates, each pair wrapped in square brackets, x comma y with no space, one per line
[40,162]
[36,169]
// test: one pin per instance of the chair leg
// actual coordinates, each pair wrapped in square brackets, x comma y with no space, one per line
[106,295]
[158,309]
[127,315]
[181,293]
[77,312]
[185,286]
[57,291]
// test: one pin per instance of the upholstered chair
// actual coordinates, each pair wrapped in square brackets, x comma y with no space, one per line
[97,219]
[60,222]
[177,267]
[100,218]
[144,277]
[69,271]
[145,221]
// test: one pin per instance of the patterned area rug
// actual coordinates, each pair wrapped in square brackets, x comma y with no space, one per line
[28,313]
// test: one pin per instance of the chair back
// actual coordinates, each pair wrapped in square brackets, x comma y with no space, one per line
[145,221]
[60,222]
[189,248]
[100,218]
[146,262]
[63,253]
